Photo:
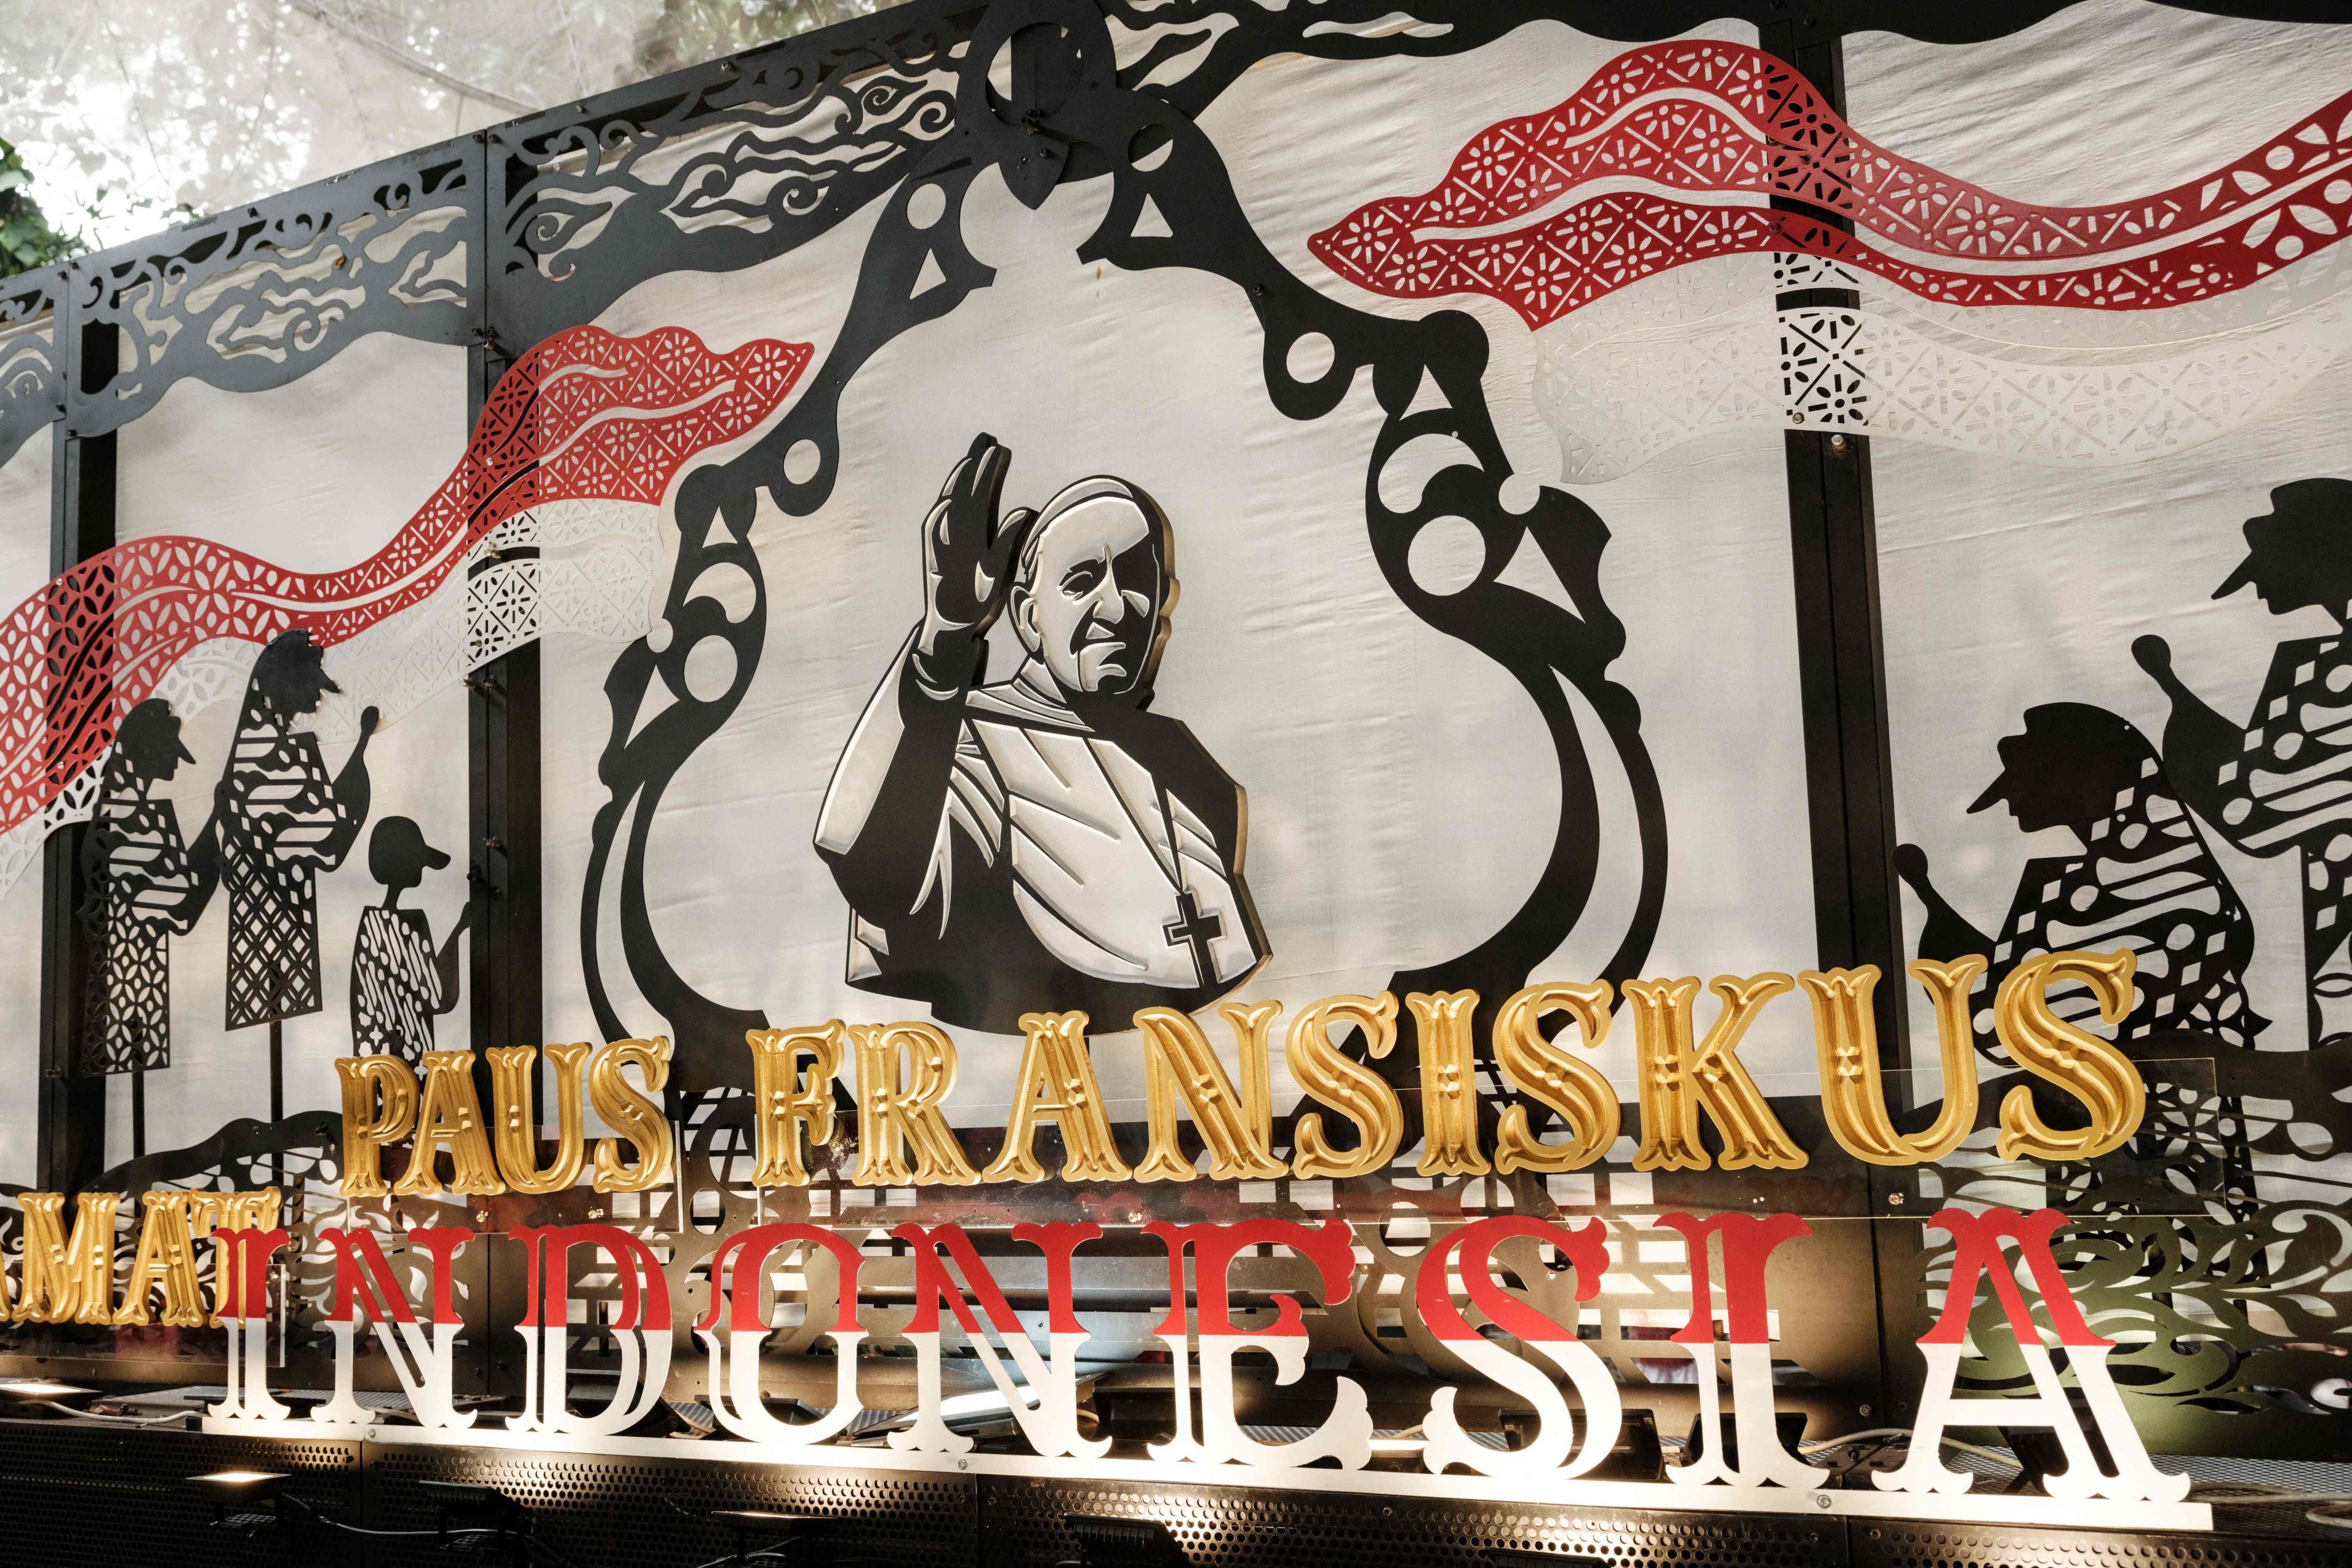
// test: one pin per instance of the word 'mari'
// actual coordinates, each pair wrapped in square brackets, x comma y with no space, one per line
[904,1072]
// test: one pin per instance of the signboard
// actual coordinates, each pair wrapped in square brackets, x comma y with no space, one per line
[1241,743]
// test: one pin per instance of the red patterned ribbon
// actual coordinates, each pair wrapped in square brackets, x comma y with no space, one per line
[583,414]
[1732,122]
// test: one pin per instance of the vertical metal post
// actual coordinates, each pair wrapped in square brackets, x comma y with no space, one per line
[503,802]
[1833,535]
[503,799]
[1841,670]
[72,1130]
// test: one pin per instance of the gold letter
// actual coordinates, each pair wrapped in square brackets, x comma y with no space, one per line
[1677,1080]
[1234,1129]
[1347,1087]
[631,1115]
[166,1257]
[365,1130]
[1542,1070]
[1057,1083]
[903,1070]
[67,1281]
[1449,1107]
[2076,1060]
[450,1114]
[1845,1040]
[518,1138]
[783,1101]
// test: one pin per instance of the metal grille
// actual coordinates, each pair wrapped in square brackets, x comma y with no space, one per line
[1222,1527]
[1988,1546]
[79,1497]
[642,1512]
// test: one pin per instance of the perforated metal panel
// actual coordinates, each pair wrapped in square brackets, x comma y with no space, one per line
[78,1496]
[644,1513]
[1221,1527]
[1989,1546]
[85,1497]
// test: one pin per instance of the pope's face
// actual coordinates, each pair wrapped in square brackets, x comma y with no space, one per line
[1091,611]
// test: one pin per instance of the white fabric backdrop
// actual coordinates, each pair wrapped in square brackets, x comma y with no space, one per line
[314,476]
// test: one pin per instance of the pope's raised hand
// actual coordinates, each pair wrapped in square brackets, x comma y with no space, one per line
[968,558]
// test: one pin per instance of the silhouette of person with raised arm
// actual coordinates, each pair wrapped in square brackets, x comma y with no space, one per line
[399,984]
[144,885]
[282,821]
[2283,781]
[2144,880]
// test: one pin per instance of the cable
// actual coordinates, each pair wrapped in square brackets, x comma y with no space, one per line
[1817,1445]
[111,1420]
[332,1523]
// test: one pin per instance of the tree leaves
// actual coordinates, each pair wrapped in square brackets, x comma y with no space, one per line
[27,241]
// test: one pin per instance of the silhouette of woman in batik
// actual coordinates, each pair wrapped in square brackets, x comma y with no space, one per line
[143,886]
[399,985]
[2280,782]
[282,820]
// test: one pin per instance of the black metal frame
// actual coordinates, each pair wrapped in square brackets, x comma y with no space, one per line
[512,298]
[513,295]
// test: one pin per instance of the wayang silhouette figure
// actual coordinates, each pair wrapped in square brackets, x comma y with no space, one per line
[282,821]
[399,984]
[143,885]
[2283,781]
[2144,880]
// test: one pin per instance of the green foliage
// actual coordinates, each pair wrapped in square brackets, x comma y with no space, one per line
[688,31]
[27,241]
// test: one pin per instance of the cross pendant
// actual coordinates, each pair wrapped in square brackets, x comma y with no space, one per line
[1195,929]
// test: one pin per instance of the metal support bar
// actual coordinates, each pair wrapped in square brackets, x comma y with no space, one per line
[1857,915]
[1841,671]
[503,841]
[72,1130]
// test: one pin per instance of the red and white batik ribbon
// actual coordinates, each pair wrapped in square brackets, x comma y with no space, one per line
[575,450]
[1665,162]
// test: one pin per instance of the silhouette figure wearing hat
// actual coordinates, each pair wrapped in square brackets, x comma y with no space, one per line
[2145,879]
[399,985]
[2283,781]
[144,885]
[283,821]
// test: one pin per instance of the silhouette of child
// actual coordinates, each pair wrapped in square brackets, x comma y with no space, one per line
[399,985]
